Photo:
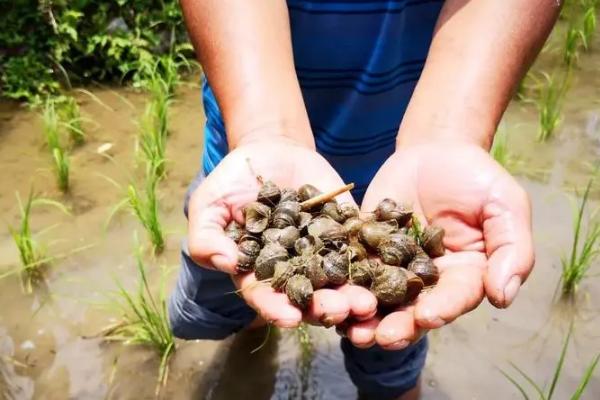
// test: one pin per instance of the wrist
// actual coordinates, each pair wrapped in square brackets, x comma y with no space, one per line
[295,133]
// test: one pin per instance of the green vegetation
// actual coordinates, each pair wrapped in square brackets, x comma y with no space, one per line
[31,254]
[573,40]
[549,104]
[152,140]
[584,249]
[540,393]
[144,319]
[60,157]
[589,25]
[72,121]
[502,153]
[61,168]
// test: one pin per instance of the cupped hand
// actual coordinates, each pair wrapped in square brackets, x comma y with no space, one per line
[486,216]
[221,198]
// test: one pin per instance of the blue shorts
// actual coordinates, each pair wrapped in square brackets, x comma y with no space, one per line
[204,306]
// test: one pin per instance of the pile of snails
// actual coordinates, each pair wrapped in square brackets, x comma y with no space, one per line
[303,240]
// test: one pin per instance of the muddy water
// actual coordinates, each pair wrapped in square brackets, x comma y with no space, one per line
[48,343]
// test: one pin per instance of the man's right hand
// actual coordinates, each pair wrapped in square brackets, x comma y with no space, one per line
[221,198]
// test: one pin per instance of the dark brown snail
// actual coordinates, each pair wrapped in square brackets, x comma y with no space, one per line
[307,191]
[432,240]
[348,210]
[248,251]
[300,291]
[332,210]
[264,266]
[269,194]
[336,267]
[288,194]
[393,286]
[424,268]
[286,214]
[322,224]
[286,237]
[312,267]
[352,225]
[361,273]
[397,249]
[388,210]
[282,272]
[373,232]
[304,219]
[356,251]
[307,245]
[257,217]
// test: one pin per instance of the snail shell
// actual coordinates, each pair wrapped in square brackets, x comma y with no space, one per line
[251,236]
[257,217]
[397,249]
[388,209]
[288,194]
[282,272]
[307,245]
[352,225]
[424,268]
[264,266]
[300,291]
[335,266]
[372,233]
[304,219]
[361,273]
[285,237]
[432,241]
[390,285]
[348,210]
[332,210]
[335,238]
[414,286]
[234,231]
[321,224]
[356,250]
[286,213]
[248,251]
[313,270]
[307,191]
[269,194]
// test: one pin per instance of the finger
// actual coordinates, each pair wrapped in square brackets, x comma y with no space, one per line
[363,304]
[270,305]
[328,307]
[509,242]
[459,289]
[397,330]
[362,334]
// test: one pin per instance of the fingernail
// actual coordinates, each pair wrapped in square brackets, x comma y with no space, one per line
[399,345]
[511,290]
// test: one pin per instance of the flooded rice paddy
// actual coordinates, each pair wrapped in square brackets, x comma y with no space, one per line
[49,341]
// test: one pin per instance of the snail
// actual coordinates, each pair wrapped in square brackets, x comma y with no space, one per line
[372,233]
[352,225]
[356,250]
[248,251]
[307,245]
[286,237]
[424,268]
[269,194]
[393,286]
[432,240]
[304,219]
[264,265]
[335,266]
[312,268]
[388,210]
[288,194]
[300,291]
[307,191]
[286,213]
[332,210]
[397,249]
[361,273]
[234,231]
[348,210]
[282,272]
[257,217]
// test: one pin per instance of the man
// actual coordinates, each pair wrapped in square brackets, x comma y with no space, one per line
[401,97]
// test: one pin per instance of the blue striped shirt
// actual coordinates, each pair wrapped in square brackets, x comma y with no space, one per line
[357,62]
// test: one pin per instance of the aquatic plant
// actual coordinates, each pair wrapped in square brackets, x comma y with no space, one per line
[73,121]
[144,318]
[51,124]
[61,168]
[585,247]
[31,253]
[152,138]
[502,153]
[550,103]
[145,207]
[573,40]
[540,393]
[589,23]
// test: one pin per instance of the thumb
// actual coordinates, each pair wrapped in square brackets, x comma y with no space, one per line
[207,243]
[508,240]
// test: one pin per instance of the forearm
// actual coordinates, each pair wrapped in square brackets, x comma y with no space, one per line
[480,50]
[246,53]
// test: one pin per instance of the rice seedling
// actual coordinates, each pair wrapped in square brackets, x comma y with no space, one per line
[549,104]
[542,394]
[573,40]
[51,124]
[144,319]
[585,247]
[31,253]
[73,121]
[502,153]
[61,168]
[143,204]
[589,25]
[152,138]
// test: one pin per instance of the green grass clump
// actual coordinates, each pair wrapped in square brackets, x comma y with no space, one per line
[152,139]
[60,157]
[144,319]
[572,43]
[549,104]
[584,249]
[589,25]
[502,153]
[61,168]
[73,121]
[144,205]
[31,254]
[540,393]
